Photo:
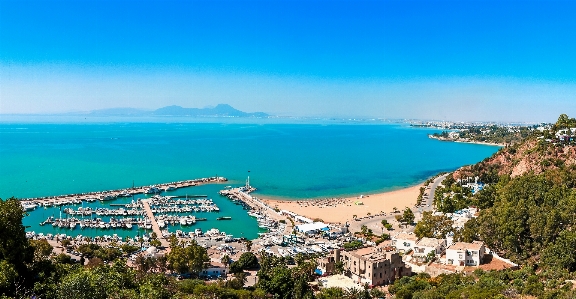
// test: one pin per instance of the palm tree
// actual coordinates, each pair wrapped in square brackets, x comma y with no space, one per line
[226,261]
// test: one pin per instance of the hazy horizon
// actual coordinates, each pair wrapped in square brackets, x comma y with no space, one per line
[436,60]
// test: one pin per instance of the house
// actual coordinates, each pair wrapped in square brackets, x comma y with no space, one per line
[404,242]
[465,254]
[213,270]
[372,265]
[427,245]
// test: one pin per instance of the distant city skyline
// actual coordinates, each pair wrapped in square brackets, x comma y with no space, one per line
[445,60]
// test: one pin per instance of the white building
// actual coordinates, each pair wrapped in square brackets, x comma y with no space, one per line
[427,245]
[215,270]
[312,228]
[465,254]
[404,242]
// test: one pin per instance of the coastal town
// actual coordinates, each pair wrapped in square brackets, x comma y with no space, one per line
[455,226]
[347,253]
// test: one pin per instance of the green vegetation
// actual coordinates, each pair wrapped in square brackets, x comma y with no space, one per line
[480,285]
[353,245]
[246,261]
[452,196]
[531,216]
[431,226]
[186,257]
[407,217]
[489,133]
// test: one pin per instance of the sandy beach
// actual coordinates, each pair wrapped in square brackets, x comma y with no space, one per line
[340,210]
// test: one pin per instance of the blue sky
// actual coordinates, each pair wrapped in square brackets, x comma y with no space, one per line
[455,60]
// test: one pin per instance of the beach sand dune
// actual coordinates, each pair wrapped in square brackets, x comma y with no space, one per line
[340,210]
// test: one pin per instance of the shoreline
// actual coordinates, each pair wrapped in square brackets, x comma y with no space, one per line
[342,209]
[466,141]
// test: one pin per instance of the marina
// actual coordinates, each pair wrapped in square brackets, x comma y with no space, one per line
[173,211]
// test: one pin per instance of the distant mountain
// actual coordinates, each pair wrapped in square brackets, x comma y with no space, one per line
[221,110]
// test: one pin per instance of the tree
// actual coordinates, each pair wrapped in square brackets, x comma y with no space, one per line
[187,259]
[155,243]
[561,254]
[65,242]
[408,216]
[431,226]
[82,285]
[246,261]
[42,249]
[226,261]
[15,250]
[248,245]
[364,229]
[384,222]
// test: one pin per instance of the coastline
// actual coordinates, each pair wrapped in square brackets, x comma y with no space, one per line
[465,141]
[342,209]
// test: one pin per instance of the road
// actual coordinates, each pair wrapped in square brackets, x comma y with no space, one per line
[431,191]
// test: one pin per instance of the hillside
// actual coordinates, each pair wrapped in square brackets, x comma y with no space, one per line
[528,203]
[530,156]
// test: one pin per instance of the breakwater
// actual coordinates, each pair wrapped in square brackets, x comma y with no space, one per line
[113,194]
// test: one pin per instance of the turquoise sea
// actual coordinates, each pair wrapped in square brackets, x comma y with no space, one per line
[295,161]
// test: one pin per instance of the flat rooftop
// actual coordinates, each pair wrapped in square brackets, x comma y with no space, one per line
[430,242]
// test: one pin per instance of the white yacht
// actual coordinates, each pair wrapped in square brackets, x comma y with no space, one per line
[125,193]
[29,206]
[152,190]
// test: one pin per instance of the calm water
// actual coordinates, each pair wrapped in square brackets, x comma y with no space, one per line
[241,224]
[283,160]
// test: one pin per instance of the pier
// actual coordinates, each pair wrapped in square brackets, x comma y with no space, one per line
[155,227]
